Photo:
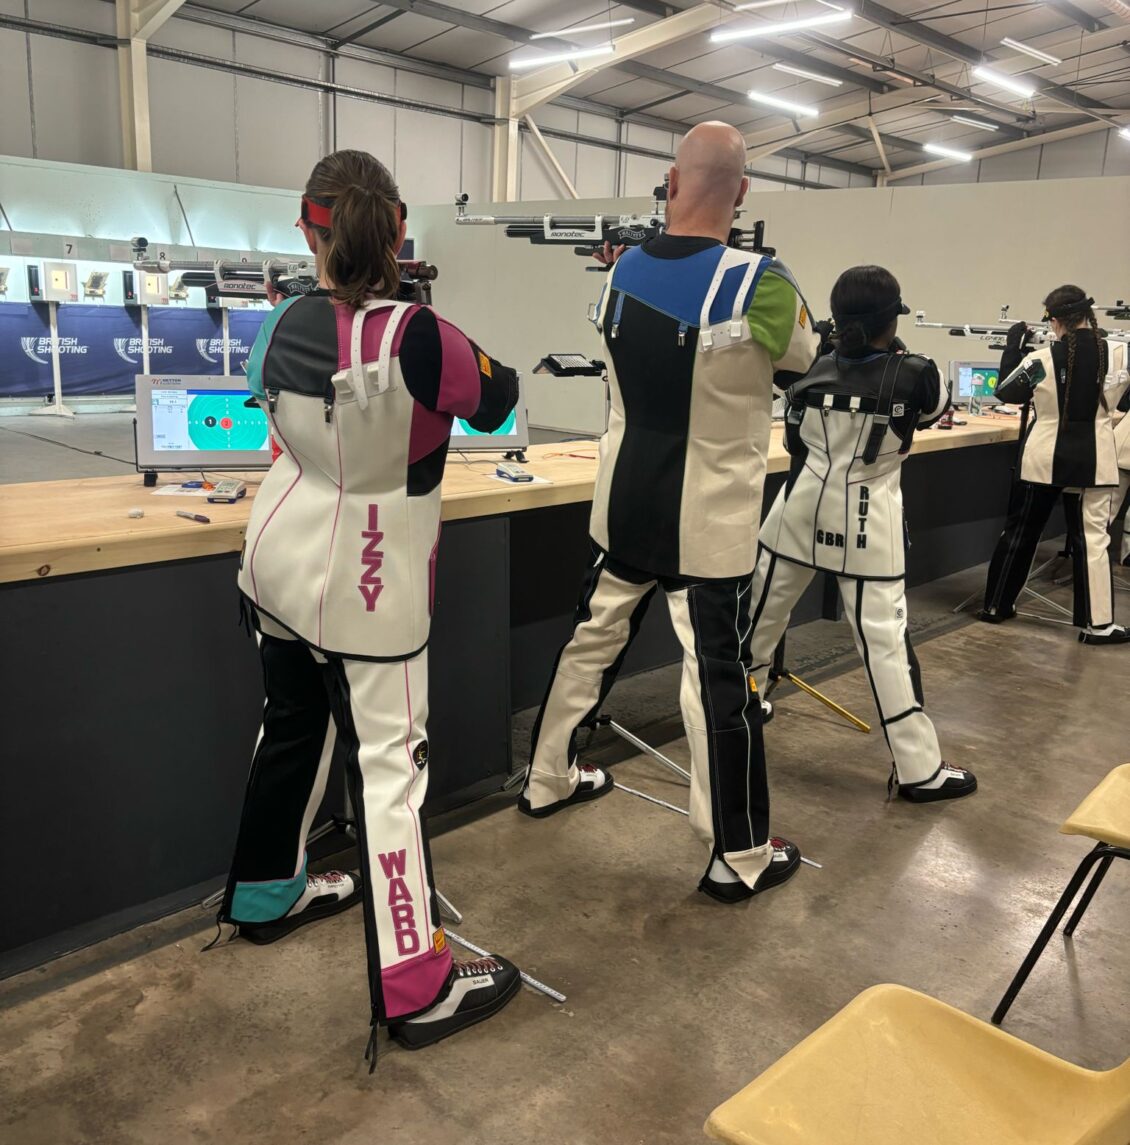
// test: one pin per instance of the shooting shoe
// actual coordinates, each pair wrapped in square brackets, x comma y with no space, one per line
[782,866]
[1114,634]
[326,894]
[592,785]
[947,782]
[476,990]
[991,616]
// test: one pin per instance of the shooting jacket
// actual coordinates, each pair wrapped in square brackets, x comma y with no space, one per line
[1072,447]
[695,332]
[341,545]
[849,426]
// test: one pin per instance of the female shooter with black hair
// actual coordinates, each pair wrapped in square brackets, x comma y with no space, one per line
[338,568]
[849,424]
[1069,451]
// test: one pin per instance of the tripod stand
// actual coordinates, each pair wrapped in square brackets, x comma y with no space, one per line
[1028,590]
[778,672]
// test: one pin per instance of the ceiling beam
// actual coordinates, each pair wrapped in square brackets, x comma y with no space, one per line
[770,140]
[651,7]
[680,128]
[878,140]
[365,29]
[152,16]
[449,15]
[833,71]
[1037,140]
[535,88]
[929,37]
[867,129]
[1076,15]
[282,34]
[924,79]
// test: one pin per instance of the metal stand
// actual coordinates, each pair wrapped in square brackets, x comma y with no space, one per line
[778,672]
[679,811]
[647,749]
[446,908]
[682,773]
[57,408]
[1027,590]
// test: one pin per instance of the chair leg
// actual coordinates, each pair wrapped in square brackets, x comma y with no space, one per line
[1088,894]
[1065,900]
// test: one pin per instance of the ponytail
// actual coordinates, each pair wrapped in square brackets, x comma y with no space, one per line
[360,258]
[1072,304]
[852,337]
[360,242]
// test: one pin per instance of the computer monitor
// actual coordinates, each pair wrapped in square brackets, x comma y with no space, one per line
[513,434]
[194,421]
[984,375]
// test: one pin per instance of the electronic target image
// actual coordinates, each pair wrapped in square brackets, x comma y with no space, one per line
[207,421]
[222,421]
[460,428]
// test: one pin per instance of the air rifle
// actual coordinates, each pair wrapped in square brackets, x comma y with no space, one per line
[995,333]
[290,277]
[587,234]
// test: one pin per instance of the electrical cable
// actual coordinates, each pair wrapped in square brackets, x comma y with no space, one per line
[64,445]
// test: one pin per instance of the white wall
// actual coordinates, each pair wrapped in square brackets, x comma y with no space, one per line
[1097,154]
[960,253]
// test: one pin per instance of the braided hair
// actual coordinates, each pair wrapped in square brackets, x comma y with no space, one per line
[1072,305]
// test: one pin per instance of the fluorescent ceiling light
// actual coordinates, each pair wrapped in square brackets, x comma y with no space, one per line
[592,27]
[1007,82]
[1035,53]
[984,125]
[726,34]
[1124,132]
[783,104]
[808,75]
[947,152]
[562,57]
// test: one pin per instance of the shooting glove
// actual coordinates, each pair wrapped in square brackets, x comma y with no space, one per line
[1017,342]
[1018,336]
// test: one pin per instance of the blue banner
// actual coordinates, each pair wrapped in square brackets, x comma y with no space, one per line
[101,346]
[25,350]
[243,329]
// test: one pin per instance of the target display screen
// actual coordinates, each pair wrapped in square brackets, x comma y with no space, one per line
[461,428]
[207,421]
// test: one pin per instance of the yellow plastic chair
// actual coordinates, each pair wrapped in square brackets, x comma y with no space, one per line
[1105,816]
[895,1067]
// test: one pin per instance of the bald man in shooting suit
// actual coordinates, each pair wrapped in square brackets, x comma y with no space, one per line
[696,332]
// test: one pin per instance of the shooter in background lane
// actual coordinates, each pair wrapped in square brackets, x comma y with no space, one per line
[1069,452]
[848,428]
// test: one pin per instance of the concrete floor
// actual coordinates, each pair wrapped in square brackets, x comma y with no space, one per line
[674,1002]
[55,448]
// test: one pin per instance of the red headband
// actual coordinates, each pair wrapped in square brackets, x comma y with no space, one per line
[317,213]
[321,215]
